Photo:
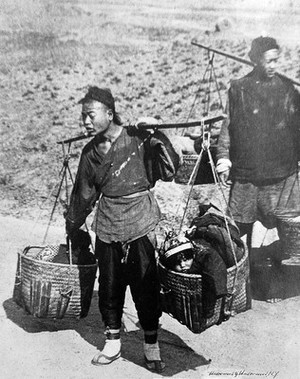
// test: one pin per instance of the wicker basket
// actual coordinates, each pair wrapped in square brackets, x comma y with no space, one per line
[288,224]
[204,175]
[182,297]
[53,290]
[184,172]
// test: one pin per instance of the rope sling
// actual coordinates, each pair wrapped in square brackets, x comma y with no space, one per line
[205,148]
[182,294]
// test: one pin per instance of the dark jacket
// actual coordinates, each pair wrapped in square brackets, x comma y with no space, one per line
[135,161]
[212,228]
[261,135]
[211,266]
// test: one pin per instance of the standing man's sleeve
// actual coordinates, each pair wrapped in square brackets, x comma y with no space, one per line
[83,198]
[223,157]
[295,119]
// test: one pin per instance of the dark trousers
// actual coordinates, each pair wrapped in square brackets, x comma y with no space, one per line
[266,274]
[134,265]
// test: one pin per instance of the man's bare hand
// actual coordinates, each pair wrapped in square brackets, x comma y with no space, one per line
[144,121]
[224,178]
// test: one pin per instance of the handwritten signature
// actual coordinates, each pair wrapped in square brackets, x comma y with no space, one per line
[244,373]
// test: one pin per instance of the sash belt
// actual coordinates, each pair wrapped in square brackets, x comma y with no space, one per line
[132,195]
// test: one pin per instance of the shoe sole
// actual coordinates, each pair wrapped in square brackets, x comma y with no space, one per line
[96,362]
[155,366]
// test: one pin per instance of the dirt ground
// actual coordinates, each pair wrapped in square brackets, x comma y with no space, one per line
[50,52]
[261,342]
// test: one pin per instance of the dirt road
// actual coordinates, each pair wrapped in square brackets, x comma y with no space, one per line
[262,340]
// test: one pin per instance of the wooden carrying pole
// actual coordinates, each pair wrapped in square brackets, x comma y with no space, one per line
[241,60]
[204,121]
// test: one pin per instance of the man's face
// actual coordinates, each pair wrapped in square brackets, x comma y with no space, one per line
[269,62]
[95,116]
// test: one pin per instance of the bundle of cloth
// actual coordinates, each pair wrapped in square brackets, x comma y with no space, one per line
[211,226]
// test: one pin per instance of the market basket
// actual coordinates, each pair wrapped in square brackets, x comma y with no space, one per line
[204,174]
[182,296]
[288,225]
[53,290]
[185,170]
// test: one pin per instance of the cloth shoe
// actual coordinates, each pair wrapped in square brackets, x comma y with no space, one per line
[110,352]
[152,357]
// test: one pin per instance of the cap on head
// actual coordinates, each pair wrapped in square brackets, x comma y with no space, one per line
[260,45]
[103,95]
[177,245]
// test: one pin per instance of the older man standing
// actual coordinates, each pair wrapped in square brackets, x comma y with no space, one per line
[258,146]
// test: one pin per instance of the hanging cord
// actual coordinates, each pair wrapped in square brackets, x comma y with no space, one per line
[206,147]
[217,86]
[191,181]
[210,70]
[219,185]
[198,91]
[217,181]
[50,194]
[205,133]
[67,191]
[208,88]
[64,171]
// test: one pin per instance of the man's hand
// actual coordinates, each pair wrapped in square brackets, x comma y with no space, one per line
[144,121]
[223,170]
[223,176]
[141,124]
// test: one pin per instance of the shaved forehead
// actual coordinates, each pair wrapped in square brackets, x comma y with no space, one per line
[93,104]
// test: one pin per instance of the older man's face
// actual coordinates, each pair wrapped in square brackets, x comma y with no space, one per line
[269,62]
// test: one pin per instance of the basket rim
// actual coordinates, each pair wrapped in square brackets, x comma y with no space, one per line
[182,274]
[40,261]
[289,220]
[286,213]
[190,156]
[242,261]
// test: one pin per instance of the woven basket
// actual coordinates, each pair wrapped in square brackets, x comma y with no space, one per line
[53,290]
[288,224]
[184,172]
[204,175]
[182,297]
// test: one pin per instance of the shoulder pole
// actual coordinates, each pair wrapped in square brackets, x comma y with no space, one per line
[204,121]
[241,60]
